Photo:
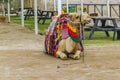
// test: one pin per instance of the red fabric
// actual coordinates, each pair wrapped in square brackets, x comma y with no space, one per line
[64,33]
[73,34]
[64,26]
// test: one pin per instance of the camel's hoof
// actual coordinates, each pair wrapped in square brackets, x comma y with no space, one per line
[63,56]
[76,57]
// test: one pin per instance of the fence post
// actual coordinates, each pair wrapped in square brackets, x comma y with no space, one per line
[94,8]
[110,10]
[119,11]
[102,9]
[88,9]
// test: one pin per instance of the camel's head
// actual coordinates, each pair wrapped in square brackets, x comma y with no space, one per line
[76,17]
[85,18]
[79,19]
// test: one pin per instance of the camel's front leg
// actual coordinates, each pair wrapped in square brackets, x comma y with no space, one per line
[61,49]
[61,55]
[75,56]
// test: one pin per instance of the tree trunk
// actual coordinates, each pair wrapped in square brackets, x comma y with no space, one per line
[27,3]
[3,8]
[31,3]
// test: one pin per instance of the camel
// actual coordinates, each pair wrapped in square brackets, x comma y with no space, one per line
[68,36]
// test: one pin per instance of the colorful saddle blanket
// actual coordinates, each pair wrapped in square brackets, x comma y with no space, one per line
[60,28]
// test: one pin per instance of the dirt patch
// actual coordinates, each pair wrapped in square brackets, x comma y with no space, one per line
[21,58]
[3,19]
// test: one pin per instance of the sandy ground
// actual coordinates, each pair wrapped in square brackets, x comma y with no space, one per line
[21,58]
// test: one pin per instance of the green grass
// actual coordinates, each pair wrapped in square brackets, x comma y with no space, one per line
[99,37]
[30,24]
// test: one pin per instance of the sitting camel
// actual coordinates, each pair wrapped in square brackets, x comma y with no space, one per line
[67,40]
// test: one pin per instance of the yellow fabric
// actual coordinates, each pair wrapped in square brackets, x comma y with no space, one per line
[72,28]
[59,32]
[62,12]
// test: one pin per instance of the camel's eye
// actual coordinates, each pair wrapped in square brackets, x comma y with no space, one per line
[77,17]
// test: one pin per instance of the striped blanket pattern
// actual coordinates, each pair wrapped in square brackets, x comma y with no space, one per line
[60,28]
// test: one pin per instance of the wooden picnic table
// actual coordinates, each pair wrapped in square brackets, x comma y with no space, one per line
[30,12]
[104,27]
[19,10]
[42,15]
[45,15]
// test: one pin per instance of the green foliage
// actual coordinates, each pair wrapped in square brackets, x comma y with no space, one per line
[71,9]
[84,9]
[4,1]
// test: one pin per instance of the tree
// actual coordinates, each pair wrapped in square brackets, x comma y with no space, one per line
[3,5]
[3,1]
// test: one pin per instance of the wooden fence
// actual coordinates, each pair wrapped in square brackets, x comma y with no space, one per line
[99,8]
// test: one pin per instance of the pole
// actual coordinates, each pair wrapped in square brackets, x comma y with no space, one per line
[8,10]
[59,6]
[45,5]
[3,8]
[22,12]
[54,5]
[82,32]
[108,8]
[67,6]
[81,7]
[35,17]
